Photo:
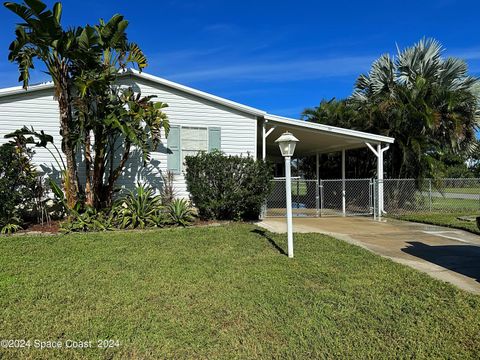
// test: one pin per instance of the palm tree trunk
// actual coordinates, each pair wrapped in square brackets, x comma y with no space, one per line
[115,174]
[89,193]
[70,181]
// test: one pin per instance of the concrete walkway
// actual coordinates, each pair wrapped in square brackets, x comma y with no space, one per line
[447,254]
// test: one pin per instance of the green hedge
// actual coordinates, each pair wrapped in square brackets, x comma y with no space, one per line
[227,187]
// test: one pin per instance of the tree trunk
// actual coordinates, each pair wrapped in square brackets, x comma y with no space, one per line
[89,193]
[113,177]
[70,179]
[98,167]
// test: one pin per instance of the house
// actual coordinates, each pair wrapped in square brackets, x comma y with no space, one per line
[199,121]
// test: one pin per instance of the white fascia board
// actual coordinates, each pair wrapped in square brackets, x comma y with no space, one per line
[195,92]
[330,129]
[20,90]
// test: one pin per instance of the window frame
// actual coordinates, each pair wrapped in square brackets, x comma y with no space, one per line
[181,147]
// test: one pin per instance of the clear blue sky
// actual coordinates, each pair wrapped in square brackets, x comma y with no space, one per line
[280,56]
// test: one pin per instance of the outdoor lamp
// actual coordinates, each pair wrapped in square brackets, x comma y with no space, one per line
[287,143]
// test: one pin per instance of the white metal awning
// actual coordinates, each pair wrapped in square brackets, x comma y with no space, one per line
[317,138]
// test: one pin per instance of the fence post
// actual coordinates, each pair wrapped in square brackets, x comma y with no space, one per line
[317,197]
[370,194]
[430,194]
[298,194]
[321,198]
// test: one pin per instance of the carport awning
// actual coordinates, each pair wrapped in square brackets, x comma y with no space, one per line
[316,138]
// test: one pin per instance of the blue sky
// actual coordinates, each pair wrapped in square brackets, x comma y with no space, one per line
[279,56]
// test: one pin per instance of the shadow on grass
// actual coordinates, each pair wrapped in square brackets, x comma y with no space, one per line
[462,259]
[270,240]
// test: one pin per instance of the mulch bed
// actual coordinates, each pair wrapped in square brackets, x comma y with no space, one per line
[53,227]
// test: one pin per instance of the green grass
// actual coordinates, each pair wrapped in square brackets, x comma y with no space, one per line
[463,190]
[441,203]
[444,219]
[226,292]
[299,188]
[446,204]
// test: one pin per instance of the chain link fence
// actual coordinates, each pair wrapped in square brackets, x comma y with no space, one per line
[401,196]
[313,198]
[346,197]
[305,198]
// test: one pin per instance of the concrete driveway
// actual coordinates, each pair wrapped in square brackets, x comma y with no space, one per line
[447,254]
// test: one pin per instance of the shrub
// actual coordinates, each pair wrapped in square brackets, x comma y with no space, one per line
[227,187]
[88,220]
[18,179]
[179,213]
[140,208]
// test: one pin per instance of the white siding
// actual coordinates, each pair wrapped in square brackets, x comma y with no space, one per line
[39,109]
[238,130]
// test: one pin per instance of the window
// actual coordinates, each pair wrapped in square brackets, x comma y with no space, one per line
[186,140]
[193,140]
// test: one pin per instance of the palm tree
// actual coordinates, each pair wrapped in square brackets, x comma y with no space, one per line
[426,102]
[42,37]
[83,62]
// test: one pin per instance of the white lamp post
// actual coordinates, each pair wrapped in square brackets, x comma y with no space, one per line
[287,143]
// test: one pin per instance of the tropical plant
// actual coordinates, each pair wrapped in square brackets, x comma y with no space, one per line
[29,136]
[168,192]
[227,187]
[18,179]
[129,122]
[140,208]
[88,220]
[84,62]
[360,163]
[41,36]
[117,118]
[179,213]
[426,102]
[10,228]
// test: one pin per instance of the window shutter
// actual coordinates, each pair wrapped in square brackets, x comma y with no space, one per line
[173,150]
[214,139]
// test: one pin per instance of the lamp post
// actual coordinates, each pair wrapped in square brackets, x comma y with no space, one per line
[287,143]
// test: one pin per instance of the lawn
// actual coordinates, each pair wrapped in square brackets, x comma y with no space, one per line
[449,219]
[447,204]
[226,292]
[462,190]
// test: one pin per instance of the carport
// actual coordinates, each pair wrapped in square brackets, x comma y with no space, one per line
[316,139]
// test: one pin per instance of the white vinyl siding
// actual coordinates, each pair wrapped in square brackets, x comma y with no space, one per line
[38,109]
[235,130]
[238,129]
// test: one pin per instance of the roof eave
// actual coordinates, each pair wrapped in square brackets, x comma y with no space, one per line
[20,90]
[364,136]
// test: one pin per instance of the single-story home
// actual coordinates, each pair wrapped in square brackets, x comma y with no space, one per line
[199,121]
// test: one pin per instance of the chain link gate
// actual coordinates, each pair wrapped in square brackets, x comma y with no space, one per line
[312,198]
[305,198]
[357,200]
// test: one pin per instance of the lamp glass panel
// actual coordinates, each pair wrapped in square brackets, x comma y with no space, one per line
[287,148]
